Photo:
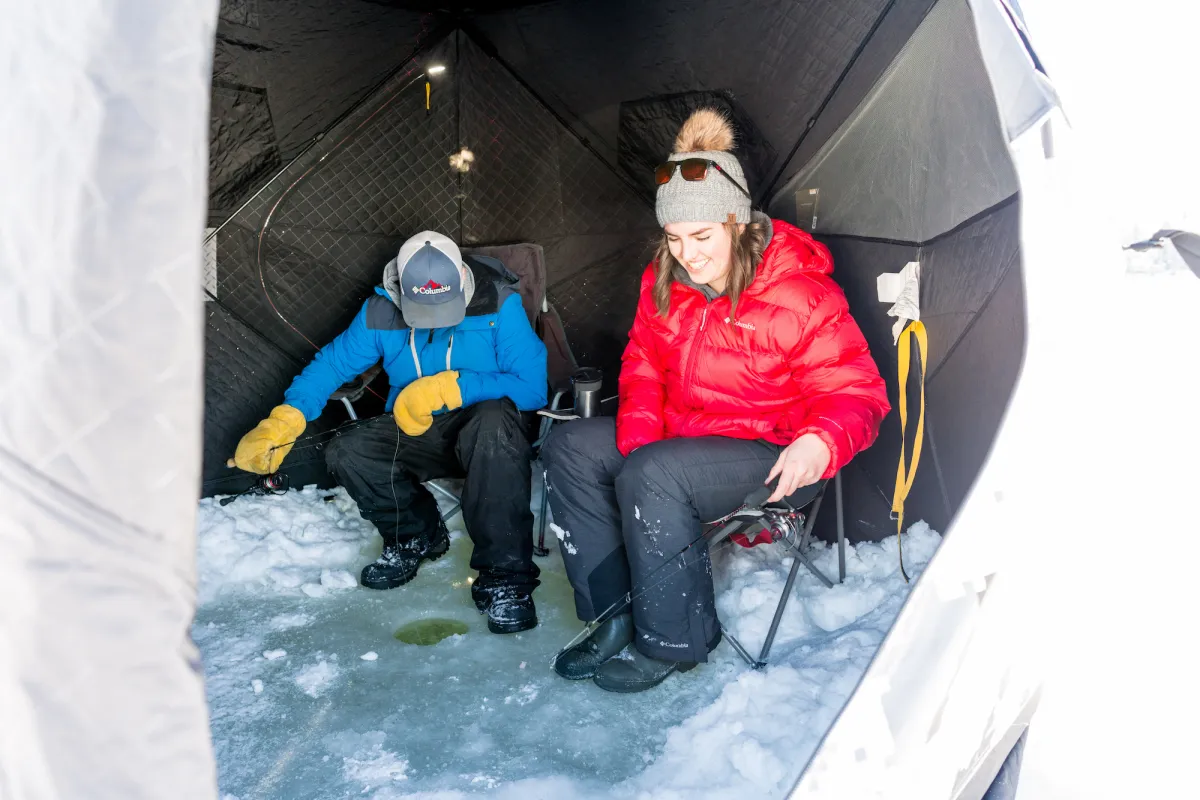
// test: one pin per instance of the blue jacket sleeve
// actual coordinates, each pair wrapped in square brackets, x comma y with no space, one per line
[522,360]
[353,352]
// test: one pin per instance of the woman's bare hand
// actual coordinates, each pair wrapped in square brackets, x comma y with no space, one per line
[802,463]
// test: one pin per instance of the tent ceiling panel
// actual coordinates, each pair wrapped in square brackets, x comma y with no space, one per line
[895,29]
[779,60]
[513,192]
[923,151]
[285,71]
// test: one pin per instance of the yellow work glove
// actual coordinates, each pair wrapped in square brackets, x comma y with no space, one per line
[416,403]
[262,450]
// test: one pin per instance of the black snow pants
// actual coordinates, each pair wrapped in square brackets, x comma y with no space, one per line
[382,468]
[620,519]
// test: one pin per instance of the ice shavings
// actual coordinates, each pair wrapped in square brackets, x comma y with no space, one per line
[315,679]
[718,731]
[365,761]
[282,542]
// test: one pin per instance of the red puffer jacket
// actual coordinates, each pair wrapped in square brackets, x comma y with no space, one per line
[794,361]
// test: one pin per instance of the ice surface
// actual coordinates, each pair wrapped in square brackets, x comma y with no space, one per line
[316,678]
[485,713]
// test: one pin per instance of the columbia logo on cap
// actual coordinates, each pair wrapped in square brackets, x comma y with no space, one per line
[431,287]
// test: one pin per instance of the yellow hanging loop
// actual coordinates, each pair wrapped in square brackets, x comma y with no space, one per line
[905,475]
[428,89]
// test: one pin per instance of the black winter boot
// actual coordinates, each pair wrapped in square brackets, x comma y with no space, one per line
[634,672]
[582,660]
[508,604]
[397,565]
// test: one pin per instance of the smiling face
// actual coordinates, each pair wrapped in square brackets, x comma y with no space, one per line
[705,250]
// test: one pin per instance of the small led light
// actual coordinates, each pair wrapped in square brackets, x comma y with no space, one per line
[470,580]
[462,160]
[437,69]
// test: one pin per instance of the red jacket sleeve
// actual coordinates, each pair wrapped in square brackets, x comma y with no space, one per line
[642,384]
[846,397]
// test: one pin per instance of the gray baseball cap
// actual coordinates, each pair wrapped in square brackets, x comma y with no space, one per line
[431,288]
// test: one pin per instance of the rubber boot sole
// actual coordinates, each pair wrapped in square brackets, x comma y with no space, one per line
[511,627]
[629,687]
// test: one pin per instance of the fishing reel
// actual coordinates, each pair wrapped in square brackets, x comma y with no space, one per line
[274,483]
[781,524]
[784,525]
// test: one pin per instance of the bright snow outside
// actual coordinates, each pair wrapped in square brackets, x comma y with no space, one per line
[312,696]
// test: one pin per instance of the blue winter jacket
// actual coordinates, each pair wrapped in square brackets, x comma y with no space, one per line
[494,350]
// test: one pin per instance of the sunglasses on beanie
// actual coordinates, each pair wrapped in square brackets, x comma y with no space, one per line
[692,169]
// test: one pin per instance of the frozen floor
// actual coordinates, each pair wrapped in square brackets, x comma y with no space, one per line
[298,713]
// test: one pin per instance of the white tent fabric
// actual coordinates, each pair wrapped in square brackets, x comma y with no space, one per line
[958,677]
[103,152]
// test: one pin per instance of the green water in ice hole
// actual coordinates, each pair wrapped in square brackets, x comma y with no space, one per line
[429,631]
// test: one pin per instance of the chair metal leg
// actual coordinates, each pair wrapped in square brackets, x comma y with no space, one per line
[803,558]
[841,527]
[740,650]
[539,549]
[349,408]
[449,495]
[783,601]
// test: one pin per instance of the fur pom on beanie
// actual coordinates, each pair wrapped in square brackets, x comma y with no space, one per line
[706,134]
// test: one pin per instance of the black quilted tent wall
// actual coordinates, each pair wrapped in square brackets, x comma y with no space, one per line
[324,159]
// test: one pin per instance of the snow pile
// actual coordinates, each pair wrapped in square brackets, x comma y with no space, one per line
[484,713]
[294,542]
[762,729]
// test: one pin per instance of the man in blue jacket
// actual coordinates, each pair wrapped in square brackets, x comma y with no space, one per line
[463,363]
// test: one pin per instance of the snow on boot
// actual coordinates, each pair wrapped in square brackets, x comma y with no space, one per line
[634,672]
[582,660]
[397,565]
[509,607]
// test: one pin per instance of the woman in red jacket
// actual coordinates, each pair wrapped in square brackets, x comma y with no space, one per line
[743,366]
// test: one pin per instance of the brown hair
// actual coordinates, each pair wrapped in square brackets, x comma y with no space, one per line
[747,248]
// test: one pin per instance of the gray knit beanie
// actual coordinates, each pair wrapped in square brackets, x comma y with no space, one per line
[706,134]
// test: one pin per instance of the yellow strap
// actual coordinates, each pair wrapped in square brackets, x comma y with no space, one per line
[905,475]
[428,86]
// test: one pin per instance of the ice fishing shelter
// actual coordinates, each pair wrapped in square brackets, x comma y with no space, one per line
[897,131]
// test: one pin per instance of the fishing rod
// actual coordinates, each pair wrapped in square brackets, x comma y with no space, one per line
[277,482]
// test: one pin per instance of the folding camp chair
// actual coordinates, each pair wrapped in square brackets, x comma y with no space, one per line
[756,523]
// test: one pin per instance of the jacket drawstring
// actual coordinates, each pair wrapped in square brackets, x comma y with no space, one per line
[412,346]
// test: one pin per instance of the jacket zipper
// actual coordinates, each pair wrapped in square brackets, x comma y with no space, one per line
[689,376]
